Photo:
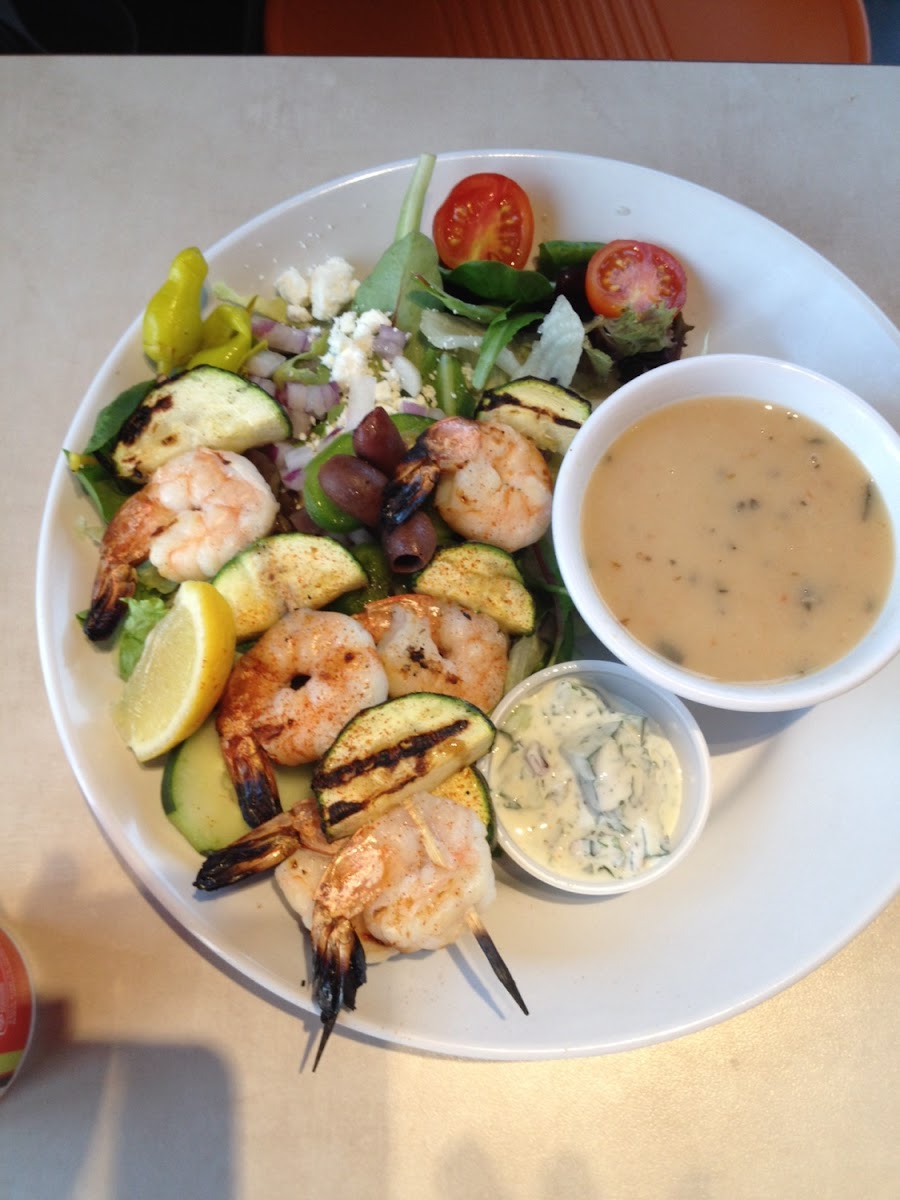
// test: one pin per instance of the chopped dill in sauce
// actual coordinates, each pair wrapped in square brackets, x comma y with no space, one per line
[584,786]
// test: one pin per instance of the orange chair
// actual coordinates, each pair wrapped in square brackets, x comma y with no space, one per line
[824,31]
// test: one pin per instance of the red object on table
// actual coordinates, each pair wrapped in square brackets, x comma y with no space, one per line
[16,1010]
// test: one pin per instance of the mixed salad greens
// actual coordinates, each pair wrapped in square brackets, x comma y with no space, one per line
[444,325]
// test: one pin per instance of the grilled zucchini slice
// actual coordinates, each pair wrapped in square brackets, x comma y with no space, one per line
[206,406]
[545,412]
[199,798]
[469,788]
[282,572]
[484,579]
[410,744]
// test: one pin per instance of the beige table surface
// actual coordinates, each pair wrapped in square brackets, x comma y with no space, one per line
[156,1072]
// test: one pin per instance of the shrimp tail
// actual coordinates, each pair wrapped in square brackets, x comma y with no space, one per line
[339,970]
[414,480]
[260,850]
[253,778]
[126,543]
[114,584]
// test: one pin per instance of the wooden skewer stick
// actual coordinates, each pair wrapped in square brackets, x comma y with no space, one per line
[492,954]
[435,852]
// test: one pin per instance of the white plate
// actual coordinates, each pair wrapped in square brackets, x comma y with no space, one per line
[801,848]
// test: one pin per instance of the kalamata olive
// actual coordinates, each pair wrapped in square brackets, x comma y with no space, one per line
[292,516]
[570,283]
[301,522]
[354,485]
[410,546]
[377,440]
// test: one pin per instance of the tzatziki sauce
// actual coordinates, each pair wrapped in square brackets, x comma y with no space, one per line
[585,785]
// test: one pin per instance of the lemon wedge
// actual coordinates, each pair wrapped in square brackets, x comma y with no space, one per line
[181,673]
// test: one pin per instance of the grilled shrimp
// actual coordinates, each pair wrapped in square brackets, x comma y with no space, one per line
[198,511]
[490,482]
[409,880]
[288,698]
[292,845]
[431,645]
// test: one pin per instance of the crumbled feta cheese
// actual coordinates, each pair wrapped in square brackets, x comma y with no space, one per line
[351,362]
[368,325]
[352,356]
[331,288]
[387,392]
[344,325]
[293,287]
[348,356]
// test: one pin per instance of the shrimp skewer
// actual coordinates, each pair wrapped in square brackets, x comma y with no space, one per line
[198,511]
[473,918]
[296,838]
[489,481]
[385,880]
[412,879]
[489,949]
[288,698]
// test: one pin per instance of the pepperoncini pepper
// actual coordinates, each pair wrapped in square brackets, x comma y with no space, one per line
[226,339]
[173,325]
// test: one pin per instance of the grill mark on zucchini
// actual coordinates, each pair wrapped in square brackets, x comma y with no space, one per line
[505,400]
[141,418]
[411,743]
[413,747]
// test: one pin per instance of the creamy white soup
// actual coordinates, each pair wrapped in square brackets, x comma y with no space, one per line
[738,539]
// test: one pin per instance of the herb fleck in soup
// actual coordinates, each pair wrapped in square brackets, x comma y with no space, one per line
[739,539]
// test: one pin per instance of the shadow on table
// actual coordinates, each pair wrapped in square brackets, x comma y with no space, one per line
[726,731]
[123,1106]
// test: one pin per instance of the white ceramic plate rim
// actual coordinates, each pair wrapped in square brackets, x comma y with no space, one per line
[593,984]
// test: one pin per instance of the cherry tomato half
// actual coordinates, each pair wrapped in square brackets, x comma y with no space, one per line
[485,216]
[635,275]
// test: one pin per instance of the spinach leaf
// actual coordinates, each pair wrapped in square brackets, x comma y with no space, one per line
[411,254]
[111,418]
[404,263]
[483,314]
[104,489]
[423,264]
[557,256]
[497,282]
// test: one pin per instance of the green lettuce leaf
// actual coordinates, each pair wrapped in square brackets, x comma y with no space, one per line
[143,613]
